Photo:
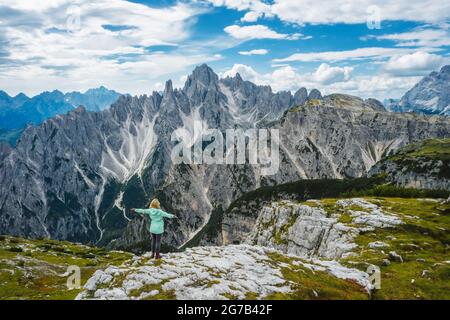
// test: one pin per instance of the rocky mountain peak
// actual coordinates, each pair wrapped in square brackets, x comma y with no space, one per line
[203,74]
[238,77]
[300,96]
[375,104]
[431,95]
[3,94]
[168,88]
[21,95]
[315,94]
[349,102]
[445,70]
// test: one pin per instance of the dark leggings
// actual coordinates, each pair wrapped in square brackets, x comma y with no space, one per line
[156,243]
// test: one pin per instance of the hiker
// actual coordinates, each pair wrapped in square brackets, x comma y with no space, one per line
[157,224]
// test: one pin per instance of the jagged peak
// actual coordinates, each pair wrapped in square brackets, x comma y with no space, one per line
[203,74]
[79,110]
[238,76]
[168,88]
[445,69]
[301,91]
[315,94]
[4,94]
[21,95]
[101,89]
[47,94]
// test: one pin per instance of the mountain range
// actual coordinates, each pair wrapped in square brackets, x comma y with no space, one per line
[429,96]
[19,111]
[75,176]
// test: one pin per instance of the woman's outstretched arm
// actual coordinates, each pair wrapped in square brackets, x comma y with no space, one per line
[144,211]
[167,215]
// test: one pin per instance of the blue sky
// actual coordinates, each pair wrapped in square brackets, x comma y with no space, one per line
[135,46]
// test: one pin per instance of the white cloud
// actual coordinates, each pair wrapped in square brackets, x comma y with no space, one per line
[255,6]
[328,79]
[327,74]
[246,72]
[376,86]
[258,31]
[254,52]
[42,54]
[414,64]
[287,78]
[421,37]
[356,54]
[343,11]
[251,16]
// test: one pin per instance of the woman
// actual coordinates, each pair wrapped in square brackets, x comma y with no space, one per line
[157,224]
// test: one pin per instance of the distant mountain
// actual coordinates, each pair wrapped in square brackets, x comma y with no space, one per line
[430,96]
[93,99]
[391,104]
[10,136]
[16,112]
[11,102]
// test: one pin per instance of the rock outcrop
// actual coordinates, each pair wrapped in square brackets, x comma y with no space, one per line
[308,231]
[423,165]
[204,273]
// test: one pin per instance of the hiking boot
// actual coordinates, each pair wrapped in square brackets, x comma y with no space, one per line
[153,255]
[158,256]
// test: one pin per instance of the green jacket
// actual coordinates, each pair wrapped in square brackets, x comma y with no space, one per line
[157,216]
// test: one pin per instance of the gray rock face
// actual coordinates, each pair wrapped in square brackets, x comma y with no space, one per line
[76,176]
[423,165]
[345,137]
[315,94]
[430,96]
[5,149]
[402,175]
[300,97]
[310,232]
[302,230]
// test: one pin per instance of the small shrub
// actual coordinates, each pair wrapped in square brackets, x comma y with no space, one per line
[88,256]
[387,190]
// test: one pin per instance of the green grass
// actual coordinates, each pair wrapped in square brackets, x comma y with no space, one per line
[429,149]
[29,269]
[422,241]
[35,273]
[308,284]
[425,157]
[388,190]
[306,189]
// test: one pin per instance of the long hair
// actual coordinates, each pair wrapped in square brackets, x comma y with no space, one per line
[155,204]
